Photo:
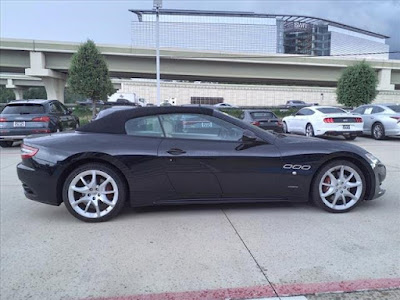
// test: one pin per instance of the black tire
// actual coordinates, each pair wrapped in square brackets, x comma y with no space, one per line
[6,144]
[378,131]
[316,198]
[119,180]
[350,137]
[311,128]
[285,128]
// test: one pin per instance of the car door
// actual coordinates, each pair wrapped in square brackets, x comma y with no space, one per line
[297,121]
[205,159]
[368,118]
[56,111]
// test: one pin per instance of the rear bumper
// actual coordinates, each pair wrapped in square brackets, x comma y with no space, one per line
[18,135]
[12,138]
[274,128]
[347,132]
[38,185]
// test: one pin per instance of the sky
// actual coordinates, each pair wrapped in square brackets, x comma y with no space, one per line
[109,21]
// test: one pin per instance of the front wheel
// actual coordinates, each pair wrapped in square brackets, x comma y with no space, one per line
[6,144]
[339,187]
[309,130]
[94,192]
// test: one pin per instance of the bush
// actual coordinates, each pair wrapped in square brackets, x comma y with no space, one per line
[357,85]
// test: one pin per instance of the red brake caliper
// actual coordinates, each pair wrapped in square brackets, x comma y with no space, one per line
[327,180]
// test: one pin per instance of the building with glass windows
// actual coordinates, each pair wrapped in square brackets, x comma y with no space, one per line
[247,32]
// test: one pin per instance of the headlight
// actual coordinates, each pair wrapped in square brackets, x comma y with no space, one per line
[372,159]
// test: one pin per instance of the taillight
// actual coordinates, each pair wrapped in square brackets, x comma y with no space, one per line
[3,120]
[359,120]
[41,119]
[328,120]
[256,123]
[28,151]
[280,123]
[396,118]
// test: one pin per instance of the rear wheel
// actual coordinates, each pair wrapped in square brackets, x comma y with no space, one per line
[339,187]
[350,137]
[6,144]
[285,128]
[309,130]
[378,131]
[94,193]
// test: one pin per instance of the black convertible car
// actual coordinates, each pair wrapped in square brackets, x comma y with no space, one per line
[182,155]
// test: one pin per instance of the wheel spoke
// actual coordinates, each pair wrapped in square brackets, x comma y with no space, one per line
[333,178]
[82,190]
[349,177]
[353,184]
[93,181]
[328,184]
[328,193]
[83,199]
[96,205]
[351,195]
[335,199]
[108,192]
[103,185]
[341,176]
[344,200]
[87,206]
[83,181]
[106,201]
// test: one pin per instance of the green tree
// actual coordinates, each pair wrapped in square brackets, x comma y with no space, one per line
[35,93]
[6,94]
[88,74]
[357,85]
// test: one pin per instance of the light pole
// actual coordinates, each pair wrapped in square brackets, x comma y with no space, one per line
[157,4]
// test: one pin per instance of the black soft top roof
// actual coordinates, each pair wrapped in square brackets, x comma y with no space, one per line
[115,122]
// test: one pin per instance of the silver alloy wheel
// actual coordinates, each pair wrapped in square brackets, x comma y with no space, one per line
[93,193]
[309,130]
[378,131]
[340,187]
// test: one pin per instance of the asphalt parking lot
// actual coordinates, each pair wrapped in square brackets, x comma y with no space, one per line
[241,251]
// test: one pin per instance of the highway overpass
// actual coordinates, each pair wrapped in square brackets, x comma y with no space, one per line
[50,60]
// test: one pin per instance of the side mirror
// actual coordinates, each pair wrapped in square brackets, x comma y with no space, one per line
[248,136]
[69,111]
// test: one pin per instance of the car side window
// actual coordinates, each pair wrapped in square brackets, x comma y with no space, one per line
[308,112]
[368,110]
[60,108]
[144,126]
[53,108]
[377,110]
[300,112]
[359,110]
[199,127]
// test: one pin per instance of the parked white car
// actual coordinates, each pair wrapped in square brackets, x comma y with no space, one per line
[324,120]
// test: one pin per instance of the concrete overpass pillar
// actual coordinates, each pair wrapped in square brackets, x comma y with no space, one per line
[18,91]
[54,81]
[384,78]
[54,88]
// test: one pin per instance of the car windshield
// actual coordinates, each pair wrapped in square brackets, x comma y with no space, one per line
[395,108]
[262,115]
[331,110]
[23,109]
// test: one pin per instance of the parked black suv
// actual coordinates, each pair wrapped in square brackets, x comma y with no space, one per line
[21,118]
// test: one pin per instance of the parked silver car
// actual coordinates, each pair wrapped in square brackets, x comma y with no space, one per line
[380,120]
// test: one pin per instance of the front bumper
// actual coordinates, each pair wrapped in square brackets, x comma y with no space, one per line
[39,184]
[380,175]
